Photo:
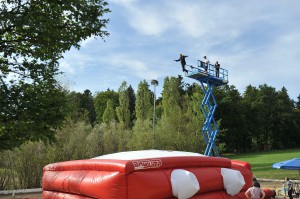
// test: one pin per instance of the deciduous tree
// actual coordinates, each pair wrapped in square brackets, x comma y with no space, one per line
[100,102]
[33,37]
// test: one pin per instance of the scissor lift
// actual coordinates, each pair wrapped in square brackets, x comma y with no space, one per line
[209,104]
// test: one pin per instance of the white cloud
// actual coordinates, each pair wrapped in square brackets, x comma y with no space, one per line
[66,67]
[131,66]
[85,42]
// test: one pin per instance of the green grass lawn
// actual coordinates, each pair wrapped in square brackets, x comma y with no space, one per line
[262,163]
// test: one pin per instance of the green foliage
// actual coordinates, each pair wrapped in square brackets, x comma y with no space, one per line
[109,114]
[178,129]
[81,106]
[100,102]
[22,168]
[30,112]
[123,112]
[270,120]
[171,97]
[110,138]
[143,136]
[232,122]
[25,165]
[33,37]
[72,142]
[297,104]
[87,102]
[132,99]
[143,105]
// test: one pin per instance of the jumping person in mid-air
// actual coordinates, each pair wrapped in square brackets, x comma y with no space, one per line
[182,61]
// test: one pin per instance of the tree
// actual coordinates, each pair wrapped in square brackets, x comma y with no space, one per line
[298,102]
[87,102]
[33,37]
[142,137]
[285,130]
[233,135]
[194,119]
[171,132]
[131,103]
[171,97]
[143,106]
[267,98]
[100,102]
[270,117]
[123,112]
[109,114]
[81,106]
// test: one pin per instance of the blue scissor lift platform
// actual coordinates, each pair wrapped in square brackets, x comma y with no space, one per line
[209,104]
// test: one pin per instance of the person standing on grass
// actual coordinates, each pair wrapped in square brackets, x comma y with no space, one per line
[255,180]
[283,190]
[297,190]
[255,192]
[289,186]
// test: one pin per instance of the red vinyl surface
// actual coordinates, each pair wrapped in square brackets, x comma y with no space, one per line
[139,178]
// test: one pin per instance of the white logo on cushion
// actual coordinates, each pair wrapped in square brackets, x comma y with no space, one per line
[184,184]
[233,181]
[146,164]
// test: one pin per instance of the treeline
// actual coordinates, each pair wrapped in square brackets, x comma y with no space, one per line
[260,119]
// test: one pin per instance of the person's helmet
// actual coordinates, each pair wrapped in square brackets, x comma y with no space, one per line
[204,57]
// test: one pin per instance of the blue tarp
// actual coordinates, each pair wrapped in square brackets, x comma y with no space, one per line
[293,164]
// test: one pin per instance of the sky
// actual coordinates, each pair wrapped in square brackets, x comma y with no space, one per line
[257,41]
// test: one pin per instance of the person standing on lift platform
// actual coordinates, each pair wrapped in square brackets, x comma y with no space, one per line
[217,66]
[206,62]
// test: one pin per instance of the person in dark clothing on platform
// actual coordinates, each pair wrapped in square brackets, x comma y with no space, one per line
[217,66]
[183,62]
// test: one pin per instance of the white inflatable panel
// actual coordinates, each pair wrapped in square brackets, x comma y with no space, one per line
[233,181]
[184,184]
[133,155]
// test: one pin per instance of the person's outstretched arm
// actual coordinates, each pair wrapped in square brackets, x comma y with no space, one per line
[247,193]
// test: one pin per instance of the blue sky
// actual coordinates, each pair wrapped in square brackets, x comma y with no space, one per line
[256,41]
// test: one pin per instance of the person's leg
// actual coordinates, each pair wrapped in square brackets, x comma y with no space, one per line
[290,193]
[183,69]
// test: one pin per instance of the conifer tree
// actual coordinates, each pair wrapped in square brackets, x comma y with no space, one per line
[123,112]
[143,105]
